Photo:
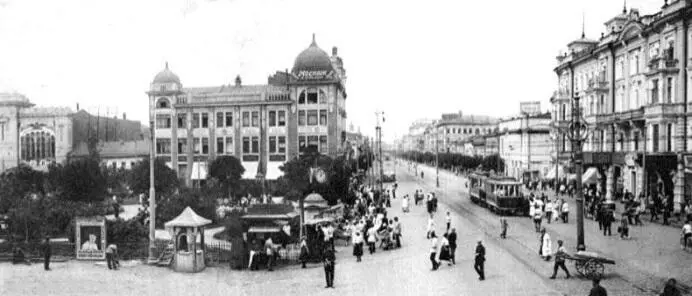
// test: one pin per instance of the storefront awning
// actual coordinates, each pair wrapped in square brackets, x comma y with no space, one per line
[551,173]
[264,229]
[591,176]
[199,171]
[250,169]
[273,170]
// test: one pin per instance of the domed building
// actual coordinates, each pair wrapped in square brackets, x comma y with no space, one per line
[263,125]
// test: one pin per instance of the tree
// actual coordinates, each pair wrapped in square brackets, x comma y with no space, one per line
[170,206]
[227,170]
[19,183]
[165,179]
[79,180]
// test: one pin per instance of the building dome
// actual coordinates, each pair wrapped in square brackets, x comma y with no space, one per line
[166,76]
[14,99]
[314,198]
[312,58]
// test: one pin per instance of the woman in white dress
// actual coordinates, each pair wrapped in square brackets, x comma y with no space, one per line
[404,204]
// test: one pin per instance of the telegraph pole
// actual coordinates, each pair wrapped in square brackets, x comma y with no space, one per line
[378,129]
[152,196]
[437,159]
[578,133]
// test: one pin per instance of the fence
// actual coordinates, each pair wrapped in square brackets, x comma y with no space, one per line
[218,252]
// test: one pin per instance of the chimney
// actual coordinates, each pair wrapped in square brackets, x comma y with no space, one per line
[124,116]
[334,51]
[238,81]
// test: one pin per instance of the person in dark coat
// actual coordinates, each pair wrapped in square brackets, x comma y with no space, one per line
[329,261]
[46,253]
[304,252]
[597,289]
[671,288]
[452,238]
[480,260]
[560,260]
[607,222]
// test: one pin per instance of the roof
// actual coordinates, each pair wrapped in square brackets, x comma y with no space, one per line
[290,215]
[166,76]
[314,198]
[188,218]
[235,89]
[468,119]
[312,58]
[14,99]
[115,149]
[264,229]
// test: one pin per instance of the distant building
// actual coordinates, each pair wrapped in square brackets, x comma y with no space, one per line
[525,146]
[453,129]
[44,135]
[262,125]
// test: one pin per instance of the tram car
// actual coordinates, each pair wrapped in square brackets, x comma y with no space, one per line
[475,185]
[500,194]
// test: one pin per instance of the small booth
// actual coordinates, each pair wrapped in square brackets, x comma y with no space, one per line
[185,229]
[314,204]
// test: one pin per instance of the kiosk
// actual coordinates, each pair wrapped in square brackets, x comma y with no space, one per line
[187,255]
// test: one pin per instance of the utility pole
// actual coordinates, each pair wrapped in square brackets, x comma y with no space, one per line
[378,129]
[578,134]
[437,158]
[152,195]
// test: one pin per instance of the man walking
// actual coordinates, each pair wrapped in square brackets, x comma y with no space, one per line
[480,260]
[452,238]
[397,232]
[597,289]
[46,253]
[560,260]
[433,251]
[607,222]
[329,262]
[110,257]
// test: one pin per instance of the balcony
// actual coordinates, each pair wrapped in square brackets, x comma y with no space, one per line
[630,115]
[664,110]
[662,65]
[598,84]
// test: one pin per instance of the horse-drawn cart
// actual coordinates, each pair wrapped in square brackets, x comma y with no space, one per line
[589,264]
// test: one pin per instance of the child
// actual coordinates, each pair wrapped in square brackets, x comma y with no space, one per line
[449,221]
[503,223]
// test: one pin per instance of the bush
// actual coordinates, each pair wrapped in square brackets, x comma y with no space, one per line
[130,236]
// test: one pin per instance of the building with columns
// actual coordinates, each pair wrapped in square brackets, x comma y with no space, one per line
[525,146]
[633,88]
[262,125]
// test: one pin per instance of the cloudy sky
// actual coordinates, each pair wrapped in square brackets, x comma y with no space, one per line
[411,59]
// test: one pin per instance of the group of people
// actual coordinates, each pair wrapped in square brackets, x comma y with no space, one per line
[542,207]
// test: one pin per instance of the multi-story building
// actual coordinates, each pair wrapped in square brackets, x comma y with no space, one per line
[525,145]
[633,90]
[455,128]
[262,125]
[48,135]
[415,139]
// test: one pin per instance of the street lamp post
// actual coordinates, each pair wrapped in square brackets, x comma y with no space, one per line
[578,134]
[152,197]
[437,161]
[378,129]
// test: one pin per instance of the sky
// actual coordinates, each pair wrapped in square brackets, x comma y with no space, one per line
[409,59]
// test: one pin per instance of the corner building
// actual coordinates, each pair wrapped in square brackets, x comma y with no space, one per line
[262,125]
[634,90]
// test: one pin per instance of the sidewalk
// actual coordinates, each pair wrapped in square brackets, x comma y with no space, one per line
[644,262]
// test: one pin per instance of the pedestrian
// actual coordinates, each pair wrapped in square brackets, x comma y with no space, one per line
[479,260]
[565,211]
[111,252]
[686,234]
[431,227]
[372,239]
[666,212]
[639,210]
[444,250]
[597,289]
[537,216]
[452,238]
[504,225]
[653,207]
[608,219]
[269,250]
[397,232]
[46,253]
[549,211]
[433,251]
[358,246]
[546,248]
[624,228]
[405,204]
[600,214]
[671,288]
[329,262]
[304,252]
[449,221]
[560,255]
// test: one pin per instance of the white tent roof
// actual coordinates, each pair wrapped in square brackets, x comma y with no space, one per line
[590,176]
[188,218]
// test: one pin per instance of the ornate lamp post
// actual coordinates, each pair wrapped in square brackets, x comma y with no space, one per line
[577,134]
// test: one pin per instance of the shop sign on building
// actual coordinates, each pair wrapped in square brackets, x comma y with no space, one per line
[312,75]
[530,108]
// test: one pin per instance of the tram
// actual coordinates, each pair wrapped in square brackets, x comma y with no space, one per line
[500,194]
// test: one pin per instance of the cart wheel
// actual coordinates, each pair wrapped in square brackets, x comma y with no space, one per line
[579,266]
[594,269]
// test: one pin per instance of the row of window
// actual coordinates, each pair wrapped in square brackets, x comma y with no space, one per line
[318,143]
[223,119]
[37,145]
[312,117]
[224,145]
[464,131]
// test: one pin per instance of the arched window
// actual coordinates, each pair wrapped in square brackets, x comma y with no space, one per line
[301,98]
[163,103]
[37,145]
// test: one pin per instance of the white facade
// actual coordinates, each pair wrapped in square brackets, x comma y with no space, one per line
[525,146]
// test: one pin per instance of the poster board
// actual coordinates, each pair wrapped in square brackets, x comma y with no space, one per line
[90,238]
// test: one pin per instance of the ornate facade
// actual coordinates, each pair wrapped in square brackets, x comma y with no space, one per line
[633,86]
[262,125]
